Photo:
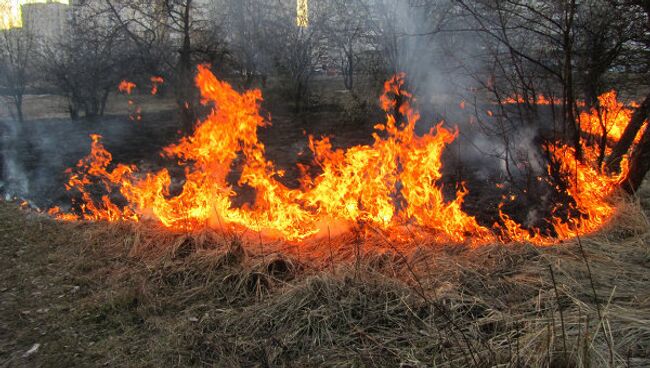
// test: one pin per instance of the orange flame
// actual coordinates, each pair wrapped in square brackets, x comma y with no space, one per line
[126,87]
[155,83]
[609,119]
[590,191]
[392,184]
[537,100]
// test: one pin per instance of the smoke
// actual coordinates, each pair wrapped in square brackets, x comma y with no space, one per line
[415,37]
[14,181]
[35,155]
[447,71]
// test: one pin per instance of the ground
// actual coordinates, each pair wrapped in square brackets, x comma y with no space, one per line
[135,295]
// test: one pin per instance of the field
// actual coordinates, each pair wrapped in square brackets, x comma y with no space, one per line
[137,295]
[133,295]
[367,183]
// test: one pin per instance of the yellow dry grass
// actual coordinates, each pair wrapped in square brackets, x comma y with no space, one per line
[148,297]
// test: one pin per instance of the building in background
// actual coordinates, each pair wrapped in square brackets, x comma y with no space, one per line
[47,22]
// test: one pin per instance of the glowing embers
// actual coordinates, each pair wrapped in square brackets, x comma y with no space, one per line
[392,184]
[539,100]
[135,112]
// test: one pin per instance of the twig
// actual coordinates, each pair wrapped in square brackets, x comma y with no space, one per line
[596,301]
[559,307]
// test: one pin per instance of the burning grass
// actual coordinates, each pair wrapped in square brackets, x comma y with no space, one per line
[391,186]
[181,276]
[125,294]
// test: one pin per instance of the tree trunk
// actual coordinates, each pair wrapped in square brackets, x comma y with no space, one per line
[639,164]
[591,89]
[74,106]
[602,147]
[184,92]
[640,157]
[102,106]
[348,70]
[613,163]
[92,107]
[297,98]
[569,95]
[74,113]
[19,109]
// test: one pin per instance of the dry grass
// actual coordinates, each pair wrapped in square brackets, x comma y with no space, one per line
[134,295]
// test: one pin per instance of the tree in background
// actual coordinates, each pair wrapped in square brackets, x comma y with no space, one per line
[16,56]
[296,51]
[246,39]
[347,29]
[640,155]
[603,31]
[535,49]
[172,37]
[88,63]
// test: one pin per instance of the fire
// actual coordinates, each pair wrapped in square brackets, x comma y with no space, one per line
[540,99]
[589,189]
[586,185]
[155,83]
[609,119]
[393,184]
[58,213]
[126,87]
[590,207]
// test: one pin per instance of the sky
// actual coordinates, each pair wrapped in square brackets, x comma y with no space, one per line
[10,11]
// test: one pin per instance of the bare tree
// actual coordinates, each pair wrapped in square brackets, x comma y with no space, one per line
[640,156]
[16,56]
[295,50]
[180,26]
[540,34]
[639,162]
[603,30]
[247,38]
[348,31]
[87,64]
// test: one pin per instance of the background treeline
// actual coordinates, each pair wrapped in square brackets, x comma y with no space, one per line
[485,50]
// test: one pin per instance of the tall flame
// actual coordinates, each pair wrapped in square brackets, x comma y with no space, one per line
[392,184]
